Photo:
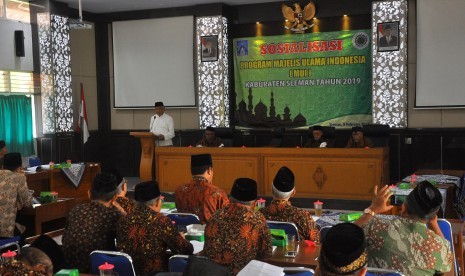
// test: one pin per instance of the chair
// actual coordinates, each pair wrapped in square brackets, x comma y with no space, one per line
[34,161]
[7,244]
[227,135]
[178,263]
[298,271]
[121,261]
[184,219]
[288,227]
[373,271]
[9,240]
[446,229]
[277,140]
[379,134]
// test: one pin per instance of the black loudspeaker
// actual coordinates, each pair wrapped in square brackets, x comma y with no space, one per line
[19,43]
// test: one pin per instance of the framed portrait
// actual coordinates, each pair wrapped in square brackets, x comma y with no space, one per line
[388,36]
[209,48]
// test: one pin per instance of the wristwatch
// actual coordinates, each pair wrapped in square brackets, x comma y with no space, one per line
[369,212]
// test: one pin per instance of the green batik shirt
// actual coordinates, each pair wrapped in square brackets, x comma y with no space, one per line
[407,246]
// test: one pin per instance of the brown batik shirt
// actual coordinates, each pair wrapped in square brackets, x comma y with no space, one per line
[126,203]
[17,268]
[216,142]
[89,227]
[282,210]
[14,194]
[200,198]
[146,235]
[236,235]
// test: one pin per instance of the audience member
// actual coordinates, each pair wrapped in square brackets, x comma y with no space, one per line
[317,140]
[162,126]
[30,262]
[14,194]
[145,234]
[126,203]
[209,139]
[200,265]
[50,247]
[92,226]
[412,243]
[281,209]
[36,259]
[343,251]
[237,234]
[200,197]
[358,140]
[3,151]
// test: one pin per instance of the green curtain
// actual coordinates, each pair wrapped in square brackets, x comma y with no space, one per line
[16,123]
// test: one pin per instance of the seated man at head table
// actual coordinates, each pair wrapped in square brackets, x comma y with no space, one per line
[411,243]
[30,262]
[146,234]
[317,140]
[209,139]
[358,139]
[3,151]
[343,251]
[237,234]
[92,226]
[281,209]
[14,194]
[200,197]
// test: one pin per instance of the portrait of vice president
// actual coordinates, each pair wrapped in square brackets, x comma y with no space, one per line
[387,34]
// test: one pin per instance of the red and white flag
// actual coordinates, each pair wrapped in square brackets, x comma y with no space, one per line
[82,124]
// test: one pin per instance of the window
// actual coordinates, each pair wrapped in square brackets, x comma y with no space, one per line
[16,82]
[19,83]
[17,10]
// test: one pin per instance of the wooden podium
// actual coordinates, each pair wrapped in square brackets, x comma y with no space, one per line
[147,141]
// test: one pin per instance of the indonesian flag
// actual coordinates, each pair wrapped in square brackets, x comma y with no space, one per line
[82,123]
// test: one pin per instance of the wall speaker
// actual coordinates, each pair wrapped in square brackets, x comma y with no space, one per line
[19,43]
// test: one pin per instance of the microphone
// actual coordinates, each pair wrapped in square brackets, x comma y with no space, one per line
[151,125]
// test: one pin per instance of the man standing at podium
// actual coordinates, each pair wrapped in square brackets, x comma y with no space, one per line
[162,126]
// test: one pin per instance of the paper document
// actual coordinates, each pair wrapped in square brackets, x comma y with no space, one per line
[198,246]
[258,268]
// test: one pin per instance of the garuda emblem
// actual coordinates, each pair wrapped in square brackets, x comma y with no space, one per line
[299,17]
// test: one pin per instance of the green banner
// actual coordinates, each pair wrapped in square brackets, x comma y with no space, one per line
[300,80]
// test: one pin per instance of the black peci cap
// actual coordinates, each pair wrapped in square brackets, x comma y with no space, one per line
[284,180]
[343,249]
[146,191]
[244,189]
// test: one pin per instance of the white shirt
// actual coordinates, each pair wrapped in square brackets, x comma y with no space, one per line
[162,125]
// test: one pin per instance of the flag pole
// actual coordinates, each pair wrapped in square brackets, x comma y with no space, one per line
[83,127]
[81,119]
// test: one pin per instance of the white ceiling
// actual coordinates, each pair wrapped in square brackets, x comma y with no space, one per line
[105,6]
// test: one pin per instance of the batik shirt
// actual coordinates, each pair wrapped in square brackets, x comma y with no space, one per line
[146,235]
[126,203]
[217,142]
[236,235]
[16,268]
[365,142]
[200,198]
[14,194]
[89,227]
[407,246]
[282,210]
[312,143]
